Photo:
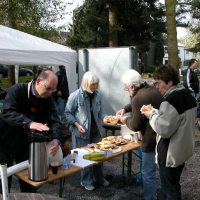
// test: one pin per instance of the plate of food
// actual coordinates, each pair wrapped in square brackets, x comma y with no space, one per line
[112,120]
[105,145]
[114,150]
[117,140]
[124,142]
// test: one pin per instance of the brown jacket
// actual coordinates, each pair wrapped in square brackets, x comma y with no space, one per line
[144,95]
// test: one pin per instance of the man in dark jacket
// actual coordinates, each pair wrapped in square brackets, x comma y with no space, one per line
[142,94]
[28,107]
[190,79]
[141,67]
[62,93]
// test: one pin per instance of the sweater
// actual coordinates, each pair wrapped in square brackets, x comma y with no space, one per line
[144,95]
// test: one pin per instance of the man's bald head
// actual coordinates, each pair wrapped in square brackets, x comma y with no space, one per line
[46,83]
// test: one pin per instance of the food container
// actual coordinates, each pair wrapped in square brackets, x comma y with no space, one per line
[38,169]
[38,165]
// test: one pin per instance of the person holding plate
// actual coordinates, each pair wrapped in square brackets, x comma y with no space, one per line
[142,94]
[85,112]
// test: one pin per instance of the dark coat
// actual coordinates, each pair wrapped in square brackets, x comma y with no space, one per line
[190,81]
[15,119]
[62,84]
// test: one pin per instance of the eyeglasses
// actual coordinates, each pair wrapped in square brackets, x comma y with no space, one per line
[157,83]
[47,87]
[127,88]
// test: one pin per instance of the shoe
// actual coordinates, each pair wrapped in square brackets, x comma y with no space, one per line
[91,187]
[104,182]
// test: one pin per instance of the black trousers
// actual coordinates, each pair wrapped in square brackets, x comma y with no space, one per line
[170,181]
[9,159]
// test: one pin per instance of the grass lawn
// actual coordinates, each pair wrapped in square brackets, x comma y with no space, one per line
[22,79]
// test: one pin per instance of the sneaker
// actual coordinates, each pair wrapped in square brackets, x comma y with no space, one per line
[104,182]
[91,187]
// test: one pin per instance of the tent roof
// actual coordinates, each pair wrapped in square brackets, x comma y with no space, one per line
[19,48]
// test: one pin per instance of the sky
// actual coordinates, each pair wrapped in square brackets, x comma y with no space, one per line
[181,32]
[69,9]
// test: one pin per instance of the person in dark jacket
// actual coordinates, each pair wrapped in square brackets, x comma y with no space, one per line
[62,93]
[26,107]
[142,94]
[141,67]
[190,79]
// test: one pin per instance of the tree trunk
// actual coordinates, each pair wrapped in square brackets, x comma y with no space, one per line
[113,38]
[12,24]
[35,70]
[11,75]
[172,49]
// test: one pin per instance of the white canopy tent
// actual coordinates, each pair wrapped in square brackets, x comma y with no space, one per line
[19,48]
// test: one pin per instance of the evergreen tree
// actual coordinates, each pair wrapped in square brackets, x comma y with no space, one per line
[159,52]
[136,23]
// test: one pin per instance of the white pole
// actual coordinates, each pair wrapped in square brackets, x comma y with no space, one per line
[16,73]
[4,180]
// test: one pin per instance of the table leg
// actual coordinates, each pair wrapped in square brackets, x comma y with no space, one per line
[34,189]
[129,169]
[123,177]
[127,164]
[62,183]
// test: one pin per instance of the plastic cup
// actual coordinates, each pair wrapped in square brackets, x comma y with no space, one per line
[54,169]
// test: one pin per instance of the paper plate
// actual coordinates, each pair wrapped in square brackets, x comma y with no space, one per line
[118,149]
[122,143]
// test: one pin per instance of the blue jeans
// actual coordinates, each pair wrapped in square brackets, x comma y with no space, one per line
[149,175]
[60,105]
[95,172]
[170,181]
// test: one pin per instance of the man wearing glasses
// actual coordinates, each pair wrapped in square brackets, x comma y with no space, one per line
[28,106]
[142,94]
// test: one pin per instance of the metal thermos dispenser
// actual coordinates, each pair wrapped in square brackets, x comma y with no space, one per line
[38,169]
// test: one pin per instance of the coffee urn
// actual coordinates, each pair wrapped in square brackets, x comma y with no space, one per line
[38,168]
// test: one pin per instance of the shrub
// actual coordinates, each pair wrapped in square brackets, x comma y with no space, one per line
[150,69]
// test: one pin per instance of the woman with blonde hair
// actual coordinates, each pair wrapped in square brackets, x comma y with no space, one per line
[84,113]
